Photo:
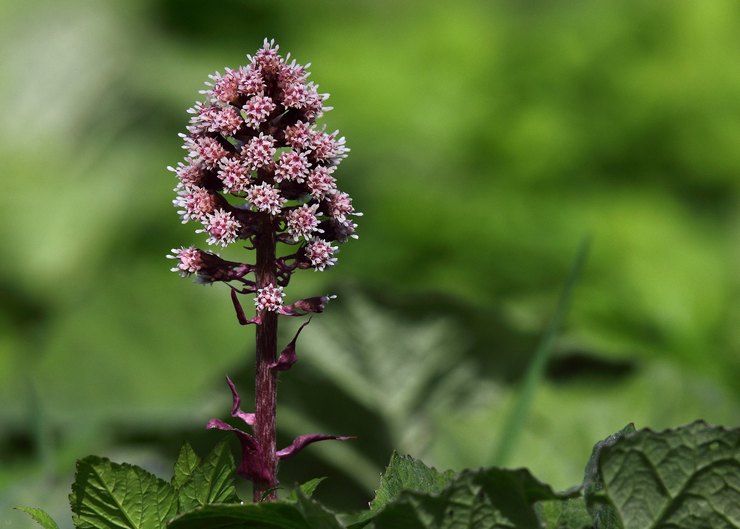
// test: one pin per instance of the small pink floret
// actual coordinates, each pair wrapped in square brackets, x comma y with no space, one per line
[340,205]
[292,73]
[221,227]
[226,88]
[314,107]
[189,174]
[265,198]
[260,151]
[299,135]
[269,298]
[234,175]
[321,254]
[227,121]
[206,149]
[190,260]
[329,147]
[294,95]
[320,182]
[267,58]
[257,109]
[302,221]
[292,166]
[197,203]
[250,81]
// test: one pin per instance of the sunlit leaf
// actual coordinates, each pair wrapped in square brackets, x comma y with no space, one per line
[185,466]
[41,517]
[406,473]
[211,482]
[108,495]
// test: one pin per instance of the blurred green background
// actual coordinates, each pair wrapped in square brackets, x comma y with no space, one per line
[488,138]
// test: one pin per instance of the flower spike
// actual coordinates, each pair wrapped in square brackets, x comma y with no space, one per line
[260,173]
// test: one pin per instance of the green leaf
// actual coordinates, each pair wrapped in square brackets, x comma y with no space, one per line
[107,495]
[186,464]
[687,478]
[269,515]
[307,489]
[407,473]
[564,514]
[211,482]
[491,498]
[43,519]
[315,514]
[603,514]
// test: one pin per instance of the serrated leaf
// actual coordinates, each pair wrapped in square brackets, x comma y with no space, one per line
[406,473]
[487,499]
[108,495]
[564,514]
[687,478]
[307,489]
[269,515]
[211,482]
[187,462]
[40,516]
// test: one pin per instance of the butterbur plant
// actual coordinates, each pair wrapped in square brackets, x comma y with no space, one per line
[259,177]
[259,174]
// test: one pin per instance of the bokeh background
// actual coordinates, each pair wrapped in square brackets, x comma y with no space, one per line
[488,139]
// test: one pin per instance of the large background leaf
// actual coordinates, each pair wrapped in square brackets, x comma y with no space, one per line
[687,478]
[490,498]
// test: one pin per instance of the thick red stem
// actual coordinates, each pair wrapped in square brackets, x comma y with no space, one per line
[266,378]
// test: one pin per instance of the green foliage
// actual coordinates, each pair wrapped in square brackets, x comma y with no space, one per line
[108,495]
[687,478]
[406,473]
[304,513]
[187,463]
[212,481]
[307,489]
[564,514]
[42,517]
[488,498]
[593,484]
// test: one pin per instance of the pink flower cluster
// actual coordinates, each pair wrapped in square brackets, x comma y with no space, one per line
[255,158]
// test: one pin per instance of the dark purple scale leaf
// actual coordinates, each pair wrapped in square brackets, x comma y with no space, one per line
[243,320]
[300,442]
[235,407]
[288,355]
[305,306]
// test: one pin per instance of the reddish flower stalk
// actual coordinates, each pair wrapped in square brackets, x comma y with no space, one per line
[253,139]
